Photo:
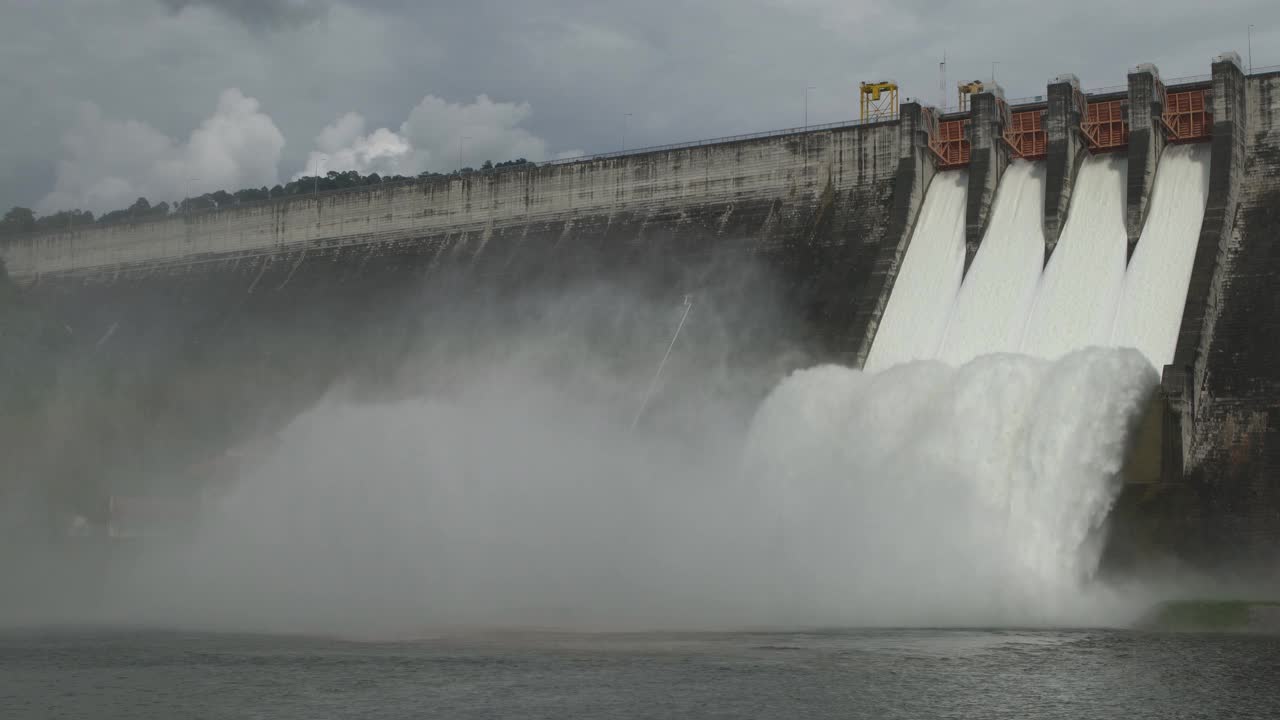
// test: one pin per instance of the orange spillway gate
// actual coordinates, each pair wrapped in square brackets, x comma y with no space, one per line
[951,144]
[1186,116]
[1105,127]
[1026,136]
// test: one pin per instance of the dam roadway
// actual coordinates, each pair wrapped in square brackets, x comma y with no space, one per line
[231,304]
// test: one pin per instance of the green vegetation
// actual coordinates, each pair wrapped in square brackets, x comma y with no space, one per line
[20,220]
[1206,614]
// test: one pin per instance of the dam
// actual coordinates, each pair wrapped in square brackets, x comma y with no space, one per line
[1140,217]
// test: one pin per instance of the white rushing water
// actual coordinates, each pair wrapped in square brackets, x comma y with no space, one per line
[917,492]
[921,495]
[969,494]
[991,311]
[927,283]
[986,473]
[1076,301]
[1155,285]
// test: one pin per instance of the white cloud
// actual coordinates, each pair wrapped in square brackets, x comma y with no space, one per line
[436,136]
[344,146]
[110,163]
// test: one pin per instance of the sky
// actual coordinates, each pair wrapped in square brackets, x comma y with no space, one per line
[109,100]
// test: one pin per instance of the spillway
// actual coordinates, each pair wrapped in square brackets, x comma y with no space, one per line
[923,295]
[991,311]
[927,493]
[1023,426]
[1075,303]
[1155,285]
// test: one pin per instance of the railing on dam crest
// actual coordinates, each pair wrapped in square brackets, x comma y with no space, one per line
[839,125]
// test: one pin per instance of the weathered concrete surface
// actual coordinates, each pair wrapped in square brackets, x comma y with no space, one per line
[183,337]
[661,188]
[990,157]
[1223,387]
[1233,457]
[812,206]
[214,325]
[914,173]
[1146,142]
[1065,152]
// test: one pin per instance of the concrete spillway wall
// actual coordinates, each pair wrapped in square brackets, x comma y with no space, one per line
[670,190]
[829,213]
[160,344]
[1223,421]
[809,203]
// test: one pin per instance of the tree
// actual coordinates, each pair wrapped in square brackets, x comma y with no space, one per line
[252,195]
[18,220]
[64,220]
[139,210]
[21,219]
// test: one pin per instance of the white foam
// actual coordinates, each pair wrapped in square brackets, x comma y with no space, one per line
[991,311]
[932,494]
[1155,286]
[1075,304]
[925,290]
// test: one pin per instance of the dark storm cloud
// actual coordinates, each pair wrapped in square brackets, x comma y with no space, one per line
[676,70]
[260,14]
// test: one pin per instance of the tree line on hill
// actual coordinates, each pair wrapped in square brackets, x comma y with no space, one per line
[24,220]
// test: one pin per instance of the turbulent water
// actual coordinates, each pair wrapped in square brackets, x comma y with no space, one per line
[952,483]
[928,492]
[1076,301]
[1155,285]
[920,495]
[975,474]
[991,310]
[925,289]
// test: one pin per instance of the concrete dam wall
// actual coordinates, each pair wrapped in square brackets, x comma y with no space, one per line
[809,203]
[187,336]
[820,220]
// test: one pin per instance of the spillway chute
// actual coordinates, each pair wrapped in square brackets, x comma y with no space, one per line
[924,291]
[991,309]
[1154,294]
[1075,303]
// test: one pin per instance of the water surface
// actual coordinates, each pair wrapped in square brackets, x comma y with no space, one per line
[850,674]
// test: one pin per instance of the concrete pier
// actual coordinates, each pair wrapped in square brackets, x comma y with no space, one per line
[915,171]
[1066,149]
[1216,428]
[1230,127]
[1146,142]
[989,158]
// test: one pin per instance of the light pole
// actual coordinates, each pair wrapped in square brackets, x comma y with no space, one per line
[994,63]
[626,119]
[187,192]
[806,105]
[461,140]
[315,179]
[1250,41]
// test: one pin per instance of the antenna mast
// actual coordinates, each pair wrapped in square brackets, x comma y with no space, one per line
[942,81]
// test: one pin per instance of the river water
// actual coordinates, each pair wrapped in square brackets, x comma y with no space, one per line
[847,674]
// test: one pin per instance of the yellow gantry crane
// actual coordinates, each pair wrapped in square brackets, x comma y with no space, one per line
[964,90]
[878,100]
